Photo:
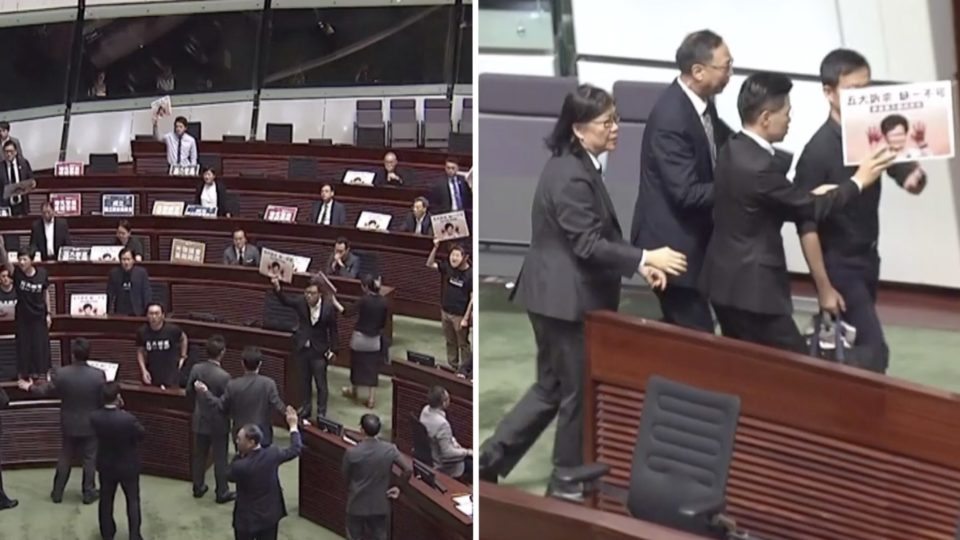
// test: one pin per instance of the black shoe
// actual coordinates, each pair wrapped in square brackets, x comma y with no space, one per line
[9,503]
[201,492]
[91,497]
[57,499]
[227,497]
[566,492]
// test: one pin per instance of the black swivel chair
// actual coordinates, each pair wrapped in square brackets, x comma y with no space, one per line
[104,163]
[421,441]
[282,133]
[369,263]
[681,460]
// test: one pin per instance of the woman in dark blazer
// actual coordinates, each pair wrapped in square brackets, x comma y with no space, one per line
[126,239]
[212,192]
[575,262]
[368,349]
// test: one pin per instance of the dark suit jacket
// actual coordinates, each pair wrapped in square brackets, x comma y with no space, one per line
[406,175]
[135,245]
[4,401]
[207,418]
[140,293]
[338,213]
[224,199]
[323,335]
[80,389]
[251,255]
[26,173]
[745,266]
[259,494]
[118,438]
[367,468]
[351,267]
[250,399]
[577,253]
[675,200]
[440,199]
[410,224]
[61,237]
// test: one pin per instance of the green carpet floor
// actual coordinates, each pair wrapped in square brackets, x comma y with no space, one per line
[169,510]
[507,366]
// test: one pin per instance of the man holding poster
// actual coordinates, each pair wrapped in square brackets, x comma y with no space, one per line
[841,251]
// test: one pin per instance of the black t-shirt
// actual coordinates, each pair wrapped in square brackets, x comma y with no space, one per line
[457,287]
[31,291]
[163,352]
[8,300]
[124,304]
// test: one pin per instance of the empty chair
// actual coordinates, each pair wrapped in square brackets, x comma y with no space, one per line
[144,137]
[368,128]
[210,160]
[466,117]
[460,143]
[369,263]
[681,459]
[436,123]
[421,441]
[302,168]
[234,138]
[281,133]
[103,163]
[195,129]
[403,130]
[321,142]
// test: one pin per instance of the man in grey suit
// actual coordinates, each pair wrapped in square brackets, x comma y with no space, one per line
[210,425]
[448,456]
[328,211]
[575,262]
[80,389]
[368,469]
[250,398]
[343,262]
[241,252]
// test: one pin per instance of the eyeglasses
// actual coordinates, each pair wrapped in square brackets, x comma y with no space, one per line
[609,122]
[724,67]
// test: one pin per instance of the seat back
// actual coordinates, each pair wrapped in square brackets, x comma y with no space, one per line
[683,453]
[369,263]
[421,441]
[211,160]
[466,116]
[195,129]
[302,168]
[103,163]
[277,316]
[436,123]
[282,133]
[369,126]
[320,142]
[234,138]
[404,127]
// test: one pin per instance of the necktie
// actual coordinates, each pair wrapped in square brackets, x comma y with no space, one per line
[14,179]
[240,256]
[708,128]
[456,194]
[323,214]
[179,147]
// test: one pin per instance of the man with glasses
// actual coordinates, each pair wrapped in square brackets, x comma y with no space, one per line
[15,170]
[677,157]
[392,174]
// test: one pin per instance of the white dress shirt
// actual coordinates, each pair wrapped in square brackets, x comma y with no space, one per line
[766,145]
[188,149]
[315,312]
[48,232]
[208,197]
[419,224]
[326,211]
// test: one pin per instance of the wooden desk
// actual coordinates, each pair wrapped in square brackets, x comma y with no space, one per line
[511,514]
[271,159]
[822,451]
[411,382]
[420,513]
[31,429]
[401,257]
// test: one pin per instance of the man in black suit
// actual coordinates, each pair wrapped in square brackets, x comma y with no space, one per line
[249,398]
[5,501]
[49,233]
[391,174]
[314,341]
[343,262]
[745,270]
[128,287]
[211,426]
[575,263]
[118,461]
[5,137]
[368,469]
[80,389]
[454,193]
[418,220]
[677,156]
[260,507]
[328,210]
[14,170]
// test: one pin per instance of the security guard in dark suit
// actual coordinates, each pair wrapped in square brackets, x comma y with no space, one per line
[211,427]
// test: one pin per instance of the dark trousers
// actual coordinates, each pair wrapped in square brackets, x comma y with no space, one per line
[313,370]
[204,442]
[558,392]
[70,446]
[771,330]
[686,307]
[108,490]
[265,534]
[366,527]
[3,494]
[856,280]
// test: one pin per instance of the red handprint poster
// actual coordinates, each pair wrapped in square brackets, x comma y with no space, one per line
[913,120]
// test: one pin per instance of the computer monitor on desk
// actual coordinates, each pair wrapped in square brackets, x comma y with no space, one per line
[329,426]
[426,475]
[422,359]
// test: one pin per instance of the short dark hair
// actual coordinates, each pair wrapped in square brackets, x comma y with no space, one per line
[9,143]
[126,250]
[44,204]
[697,48]
[253,433]
[435,396]
[422,200]
[110,392]
[85,306]
[215,346]
[370,423]
[205,168]
[458,247]
[369,282]
[890,123]
[125,223]
[763,91]
[80,348]
[251,357]
[180,120]
[329,185]
[452,159]
[5,125]
[29,252]
[275,263]
[585,104]
[840,62]
[158,304]
[342,240]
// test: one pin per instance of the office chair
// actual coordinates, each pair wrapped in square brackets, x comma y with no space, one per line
[421,441]
[681,461]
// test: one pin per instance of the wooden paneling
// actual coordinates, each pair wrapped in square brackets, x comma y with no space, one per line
[411,382]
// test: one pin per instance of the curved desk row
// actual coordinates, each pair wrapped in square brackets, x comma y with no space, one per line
[411,382]
[398,257]
[272,159]
[421,512]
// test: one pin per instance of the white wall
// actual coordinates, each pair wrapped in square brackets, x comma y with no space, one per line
[40,139]
[908,40]
[516,64]
[12,6]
